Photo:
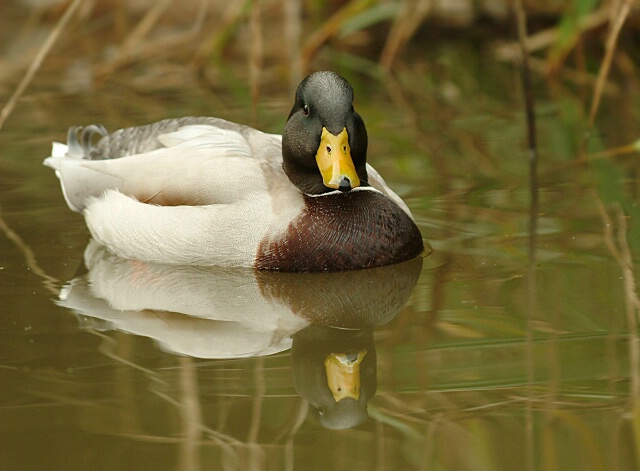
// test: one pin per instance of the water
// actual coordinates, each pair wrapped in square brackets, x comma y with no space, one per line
[471,358]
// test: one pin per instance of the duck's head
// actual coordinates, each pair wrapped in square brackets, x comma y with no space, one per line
[324,144]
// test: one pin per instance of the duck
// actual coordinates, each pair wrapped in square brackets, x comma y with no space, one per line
[204,191]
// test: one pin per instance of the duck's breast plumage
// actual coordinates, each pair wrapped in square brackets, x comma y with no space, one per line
[361,228]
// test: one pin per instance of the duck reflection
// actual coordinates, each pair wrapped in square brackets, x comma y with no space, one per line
[335,371]
[325,318]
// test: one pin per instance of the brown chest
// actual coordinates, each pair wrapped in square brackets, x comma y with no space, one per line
[357,229]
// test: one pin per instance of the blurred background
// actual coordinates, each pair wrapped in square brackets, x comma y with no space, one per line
[516,349]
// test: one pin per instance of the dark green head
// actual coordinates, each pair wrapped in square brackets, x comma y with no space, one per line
[324,144]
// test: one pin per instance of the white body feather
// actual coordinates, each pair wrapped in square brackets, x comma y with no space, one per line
[187,310]
[225,192]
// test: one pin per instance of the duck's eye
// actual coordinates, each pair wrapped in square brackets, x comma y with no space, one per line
[305,110]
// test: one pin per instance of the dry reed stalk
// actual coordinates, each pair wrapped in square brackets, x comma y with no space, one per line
[256,48]
[50,283]
[298,420]
[411,16]
[142,29]
[38,60]
[232,16]
[619,151]
[532,290]
[526,81]
[632,148]
[622,255]
[329,29]
[612,40]
[531,129]
[292,35]
[191,414]
[256,453]
[578,76]
[548,37]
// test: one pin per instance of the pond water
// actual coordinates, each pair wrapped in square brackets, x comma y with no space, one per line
[479,356]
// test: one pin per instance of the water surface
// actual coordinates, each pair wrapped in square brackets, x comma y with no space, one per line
[476,357]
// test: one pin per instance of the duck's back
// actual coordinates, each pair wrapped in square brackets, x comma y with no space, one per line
[141,139]
[184,161]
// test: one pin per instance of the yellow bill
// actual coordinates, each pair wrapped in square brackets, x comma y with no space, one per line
[343,375]
[334,160]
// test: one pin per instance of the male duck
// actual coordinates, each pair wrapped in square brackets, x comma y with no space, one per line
[205,191]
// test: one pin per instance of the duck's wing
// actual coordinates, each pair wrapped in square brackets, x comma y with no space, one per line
[173,162]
